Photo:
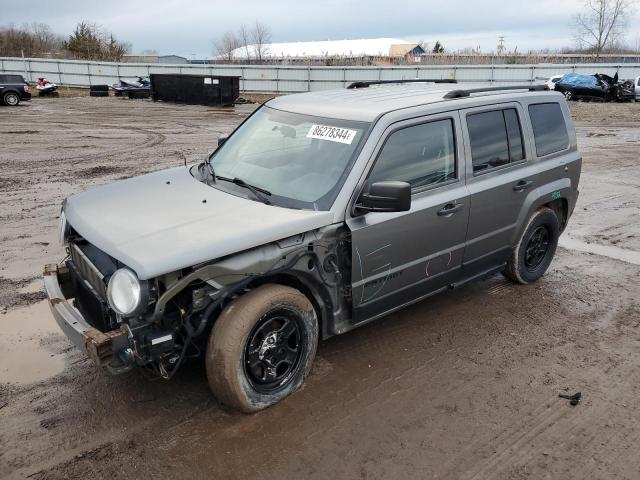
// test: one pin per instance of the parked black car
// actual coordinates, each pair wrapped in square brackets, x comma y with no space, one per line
[13,90]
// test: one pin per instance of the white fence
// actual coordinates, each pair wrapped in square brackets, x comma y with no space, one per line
[288,79]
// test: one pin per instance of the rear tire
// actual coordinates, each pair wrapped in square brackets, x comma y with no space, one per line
[534,252]
[568,94]
[261,347]
[11,99]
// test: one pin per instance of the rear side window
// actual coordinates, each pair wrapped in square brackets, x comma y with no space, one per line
[549,129]
[420,155]
[496,139]
[11,79]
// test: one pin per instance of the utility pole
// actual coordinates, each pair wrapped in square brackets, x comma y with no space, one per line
[501,45]
[24,64]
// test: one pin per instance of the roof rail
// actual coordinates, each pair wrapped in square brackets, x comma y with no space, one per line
[468,92]
[366,84]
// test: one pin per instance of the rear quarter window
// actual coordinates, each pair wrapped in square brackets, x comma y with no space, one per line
[549,128]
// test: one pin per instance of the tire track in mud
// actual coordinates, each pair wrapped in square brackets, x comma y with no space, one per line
[151,140]
[519,445]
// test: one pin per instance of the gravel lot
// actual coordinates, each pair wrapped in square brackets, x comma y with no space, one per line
[462,386]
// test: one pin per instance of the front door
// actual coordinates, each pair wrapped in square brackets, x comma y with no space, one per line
[401,257]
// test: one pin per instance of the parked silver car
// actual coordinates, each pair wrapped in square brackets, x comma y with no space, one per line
[320,213]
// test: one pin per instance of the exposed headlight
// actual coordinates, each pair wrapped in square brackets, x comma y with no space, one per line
[126,294]
[62,228]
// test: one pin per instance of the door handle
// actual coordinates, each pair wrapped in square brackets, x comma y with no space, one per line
[522,185]
[449,209]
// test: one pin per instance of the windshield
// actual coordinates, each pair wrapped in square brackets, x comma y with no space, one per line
[300,160]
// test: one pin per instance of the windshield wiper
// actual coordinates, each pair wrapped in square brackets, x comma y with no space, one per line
[209,166]
[260,193]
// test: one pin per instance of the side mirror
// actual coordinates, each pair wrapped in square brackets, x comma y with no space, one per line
[391,196]
[222,139]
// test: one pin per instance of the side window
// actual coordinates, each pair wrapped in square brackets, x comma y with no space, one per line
[496,139]
[420,155]
[549,129]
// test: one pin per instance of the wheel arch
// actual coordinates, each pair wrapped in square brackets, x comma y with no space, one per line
[314,290]
[554,195]
[561,207]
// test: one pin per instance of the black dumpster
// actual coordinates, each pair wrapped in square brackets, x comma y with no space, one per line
[197,89]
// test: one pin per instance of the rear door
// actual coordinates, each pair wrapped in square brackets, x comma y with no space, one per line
[497,184]
[401,257]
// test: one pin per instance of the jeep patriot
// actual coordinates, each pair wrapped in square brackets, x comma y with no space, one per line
[321,212]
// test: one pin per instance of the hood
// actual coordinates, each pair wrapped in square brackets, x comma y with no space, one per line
[168,220]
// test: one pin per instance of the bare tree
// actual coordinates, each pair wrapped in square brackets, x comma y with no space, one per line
[33,40]
[244,40]
[226,46]
[260,37]
[601,24]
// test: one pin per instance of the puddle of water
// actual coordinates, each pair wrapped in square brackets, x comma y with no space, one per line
[23,359]
[629,256]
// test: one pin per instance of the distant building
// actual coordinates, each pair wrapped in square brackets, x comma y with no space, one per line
[369,47]
[169,59]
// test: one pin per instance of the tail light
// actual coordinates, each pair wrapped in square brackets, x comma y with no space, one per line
[26,88]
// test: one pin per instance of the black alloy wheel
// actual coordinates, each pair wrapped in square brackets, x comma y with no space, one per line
[536,248]
[274,349]
[532,255]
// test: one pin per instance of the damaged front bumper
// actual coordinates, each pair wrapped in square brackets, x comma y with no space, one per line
[104,349]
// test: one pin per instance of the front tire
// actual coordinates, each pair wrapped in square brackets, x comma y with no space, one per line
[534,252]
[261,347]
[568,94]
[11,99]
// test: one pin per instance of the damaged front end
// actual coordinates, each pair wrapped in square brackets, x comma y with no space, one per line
[99,346]
[176,311]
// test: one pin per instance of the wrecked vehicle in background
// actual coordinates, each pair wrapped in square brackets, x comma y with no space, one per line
[625,91]
[320,213]
[597,87]
[551,81]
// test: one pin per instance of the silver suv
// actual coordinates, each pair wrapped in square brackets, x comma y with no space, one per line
[320,213]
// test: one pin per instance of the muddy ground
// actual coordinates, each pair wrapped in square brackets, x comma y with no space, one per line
[462,386]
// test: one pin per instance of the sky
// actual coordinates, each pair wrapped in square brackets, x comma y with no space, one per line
[188,28]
